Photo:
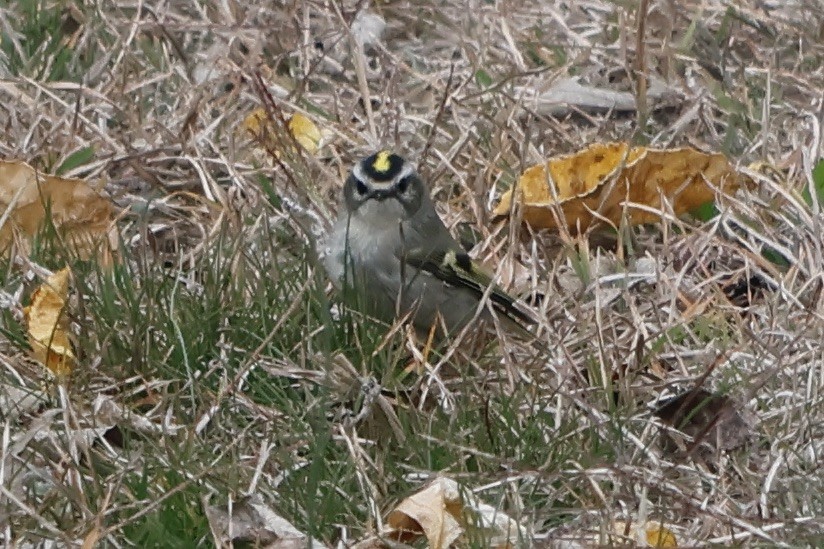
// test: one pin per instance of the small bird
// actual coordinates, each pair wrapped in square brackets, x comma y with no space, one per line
[390,249]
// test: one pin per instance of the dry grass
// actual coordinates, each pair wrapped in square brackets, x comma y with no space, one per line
[212,367]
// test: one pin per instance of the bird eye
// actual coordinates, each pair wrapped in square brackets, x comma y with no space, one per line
[403,184]
[360,186]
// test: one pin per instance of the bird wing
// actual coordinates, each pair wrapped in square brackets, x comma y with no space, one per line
[457,268]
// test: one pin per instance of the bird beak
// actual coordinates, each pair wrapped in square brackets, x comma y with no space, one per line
[382,194]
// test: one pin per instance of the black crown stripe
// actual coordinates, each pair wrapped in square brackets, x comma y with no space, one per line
[382,166]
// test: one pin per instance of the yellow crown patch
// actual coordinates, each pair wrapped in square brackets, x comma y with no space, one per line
[382,163]
[383,166]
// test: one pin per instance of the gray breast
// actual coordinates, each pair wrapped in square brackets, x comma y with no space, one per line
[377,284]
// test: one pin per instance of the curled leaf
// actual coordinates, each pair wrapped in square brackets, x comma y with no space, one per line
[47,324]
[82,217]
[605,179]
[442,514]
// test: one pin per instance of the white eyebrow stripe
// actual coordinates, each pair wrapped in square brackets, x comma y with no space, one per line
[408,169]
[358,173]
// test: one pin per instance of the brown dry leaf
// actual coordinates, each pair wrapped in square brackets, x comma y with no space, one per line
[47,324]
[80,214]
[603,177]
[305,132]
[707,418]
[650,534]
[251,521]
[442,515]
[433,512]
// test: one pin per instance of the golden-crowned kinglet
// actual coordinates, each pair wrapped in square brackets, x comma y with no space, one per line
[392,251]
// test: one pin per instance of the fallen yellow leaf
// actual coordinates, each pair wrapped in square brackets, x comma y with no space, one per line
[649,534]
[305,132]
[658,536]
[256,123]
[46,321]
[601,180]
[80,214]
